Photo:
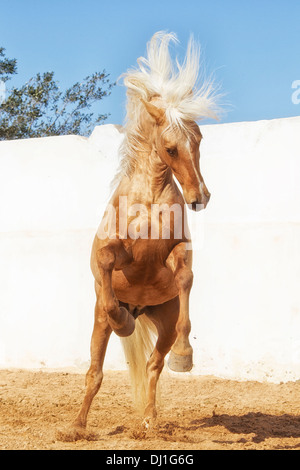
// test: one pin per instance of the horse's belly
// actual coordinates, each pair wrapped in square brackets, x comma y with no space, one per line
[136,287]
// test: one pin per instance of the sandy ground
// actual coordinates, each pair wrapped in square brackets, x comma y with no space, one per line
[194,413]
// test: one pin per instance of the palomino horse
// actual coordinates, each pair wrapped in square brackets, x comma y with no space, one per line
[141,276]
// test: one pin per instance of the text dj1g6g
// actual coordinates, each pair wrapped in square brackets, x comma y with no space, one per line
[171,459]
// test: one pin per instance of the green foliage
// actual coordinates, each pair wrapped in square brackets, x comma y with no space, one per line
[39,108]
[8,67]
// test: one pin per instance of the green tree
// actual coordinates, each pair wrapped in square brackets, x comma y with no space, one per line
[8,67]
[39,108]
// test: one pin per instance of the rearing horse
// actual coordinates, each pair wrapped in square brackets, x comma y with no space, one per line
[142,277]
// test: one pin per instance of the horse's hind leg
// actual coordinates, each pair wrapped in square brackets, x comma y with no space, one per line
[94,376]
[164,317]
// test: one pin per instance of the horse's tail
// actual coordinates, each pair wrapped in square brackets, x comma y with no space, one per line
[137,349]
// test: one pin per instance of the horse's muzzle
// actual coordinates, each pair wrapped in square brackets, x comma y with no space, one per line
[201,203]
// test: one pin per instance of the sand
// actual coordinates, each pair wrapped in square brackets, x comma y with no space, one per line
[194,413]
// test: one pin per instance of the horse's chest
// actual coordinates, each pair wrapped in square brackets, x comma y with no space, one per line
[146,280]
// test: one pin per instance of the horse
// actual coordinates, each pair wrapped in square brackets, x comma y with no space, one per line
[142,278]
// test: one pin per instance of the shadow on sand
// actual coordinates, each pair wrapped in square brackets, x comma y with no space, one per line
[264,426]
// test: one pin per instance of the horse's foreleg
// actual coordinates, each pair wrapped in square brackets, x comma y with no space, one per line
[108,257]
[165,318]
[180,261]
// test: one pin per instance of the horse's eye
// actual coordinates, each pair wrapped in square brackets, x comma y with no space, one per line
[172,152]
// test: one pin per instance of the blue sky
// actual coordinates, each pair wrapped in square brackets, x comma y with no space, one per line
[251,47]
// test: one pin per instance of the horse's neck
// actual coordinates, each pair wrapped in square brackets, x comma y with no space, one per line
[150,179]
[153,174]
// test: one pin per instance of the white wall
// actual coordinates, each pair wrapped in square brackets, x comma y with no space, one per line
[245,303]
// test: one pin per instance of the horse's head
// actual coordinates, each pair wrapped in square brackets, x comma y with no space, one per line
[179,148]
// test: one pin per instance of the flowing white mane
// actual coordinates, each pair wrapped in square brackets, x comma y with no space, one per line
[183,97]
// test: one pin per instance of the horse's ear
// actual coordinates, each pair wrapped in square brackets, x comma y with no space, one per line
[157,113]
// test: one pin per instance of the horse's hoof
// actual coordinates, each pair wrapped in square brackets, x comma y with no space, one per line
[147,424]
[142,432]
[75,433]
[179,363]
